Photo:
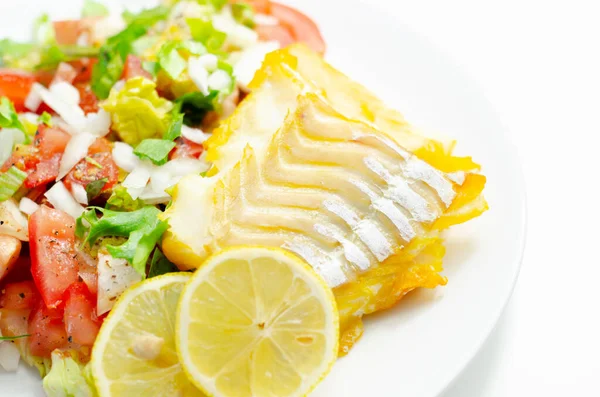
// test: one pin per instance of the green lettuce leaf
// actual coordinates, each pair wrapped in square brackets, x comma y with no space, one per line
[170,60]
[142,228]
[45,118]
[147,17]
[8,115]
[120,200]
[94,188]
[155,150]
[160,265]
[195,105]
[68,377]
[174,130]
[138,112]
[93,8]
[10,182]
[244,14]
[203,31]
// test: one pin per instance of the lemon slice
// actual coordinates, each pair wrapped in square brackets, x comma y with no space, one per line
[256,322]
[134,354]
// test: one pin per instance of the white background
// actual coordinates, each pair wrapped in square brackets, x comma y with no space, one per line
[539,64]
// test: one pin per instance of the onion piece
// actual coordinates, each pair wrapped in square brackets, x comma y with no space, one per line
[152,197]
[250,61]
[71,113]
[219,80]
[182,167]
[98,123]
[12,221]
[136,181]
[8,138]
[9,356]
[198,74]
[210,62]
[28,206]
[76,149]
[62,200]
[34,99]
[114,277]
[195,135]
[66,92]
[124,157]
[79,193]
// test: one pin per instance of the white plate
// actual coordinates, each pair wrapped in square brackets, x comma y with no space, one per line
[419,347]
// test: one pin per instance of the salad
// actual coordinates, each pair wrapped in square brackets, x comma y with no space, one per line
[193,202]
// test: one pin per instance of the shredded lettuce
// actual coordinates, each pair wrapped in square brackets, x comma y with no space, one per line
[68,377]
[155,150]
[120,200]
[174,130]
[10,182]
[142,228]
[94,188]
[138,112]
[203,31]
[147,17]
[244,14]
[160,265]
[45,118]
[195,105]
[170,60]
[93,8]
[8,115]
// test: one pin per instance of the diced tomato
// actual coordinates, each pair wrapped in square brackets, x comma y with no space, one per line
[16,85]
[68,31]
[81,321]
[50,140]
[100,145]
[84,67]
[278,33]
[186,149]
[133,68]
[88,101]
[64,73]
[302,28]
[21,271]
[24,157]
[47,331]
[86,171]
[45,172]
[13,322]
[53,261]
[23,295]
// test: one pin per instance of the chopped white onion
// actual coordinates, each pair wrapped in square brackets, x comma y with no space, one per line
[137,180]
[106,27]
[76,149]
[79,193]
[264,19]
[61,199]
[83,40]
[124,157]
[28,206]
[114,277]
[34,99]
[12,221]
[198,74]
[160,180]
[237,34]
[149,196]
[185,166]
[71,113]
[8,138]
[98,123]
[251,60]
[209,62]
[195,135]
[219,80]
[66,92]
[9,356]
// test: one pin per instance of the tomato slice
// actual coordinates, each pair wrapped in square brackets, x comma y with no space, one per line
[24,157]
[17,296]
[133,68]
[84,67]
[45,172]
[13,322]
[88,101]
[50,141]
[186,149]
[46,331]
[64,73]
[302,28]
[278,33]
[101,166]
[16,85]
[81,322]
[100,145]
[53,260]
